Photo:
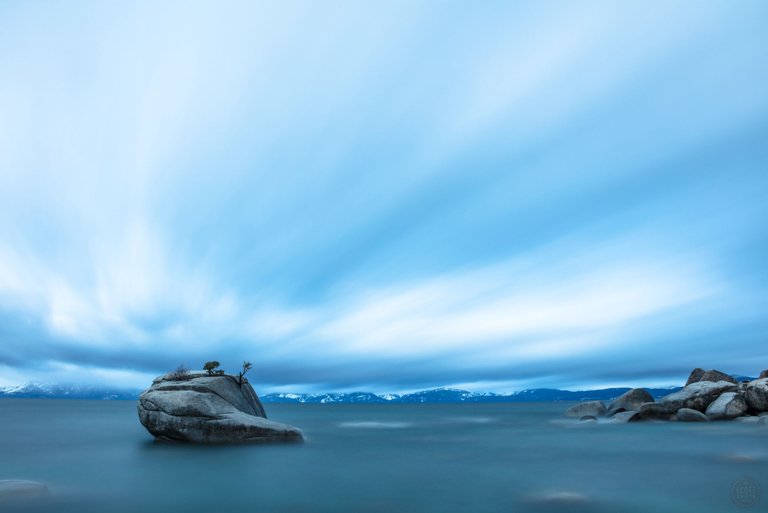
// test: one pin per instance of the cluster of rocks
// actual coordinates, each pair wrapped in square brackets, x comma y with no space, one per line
[707,395]
[208,408]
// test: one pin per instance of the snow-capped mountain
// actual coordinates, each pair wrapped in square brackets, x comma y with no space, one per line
[451,395]
[437,395]
[55,391]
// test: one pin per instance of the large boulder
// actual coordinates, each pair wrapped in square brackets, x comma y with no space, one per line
[593,408]
[728,406]
[763,374]
[696,396]
[697,375]
[689,415]
[208,409]
[757,394]
[631,400]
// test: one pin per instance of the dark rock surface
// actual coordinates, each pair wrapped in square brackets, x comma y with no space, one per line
[757,395]
[208,409]
[654,411]
[698,375]
[689,415]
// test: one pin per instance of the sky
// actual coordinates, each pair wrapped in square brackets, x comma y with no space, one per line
[384,196]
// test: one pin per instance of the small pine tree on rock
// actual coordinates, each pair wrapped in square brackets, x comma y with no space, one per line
[240,376]
[212,368]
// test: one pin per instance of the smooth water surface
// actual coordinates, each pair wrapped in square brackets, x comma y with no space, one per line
[474,458]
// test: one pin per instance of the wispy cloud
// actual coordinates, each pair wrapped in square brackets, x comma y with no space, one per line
[388,196]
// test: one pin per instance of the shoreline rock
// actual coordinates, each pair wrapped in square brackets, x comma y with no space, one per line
[689,415]
[757,395]
[707,395]
[631,400]
[726,407]
[206,409]
[698,375]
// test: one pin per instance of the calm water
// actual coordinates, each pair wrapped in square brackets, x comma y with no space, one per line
[96,457]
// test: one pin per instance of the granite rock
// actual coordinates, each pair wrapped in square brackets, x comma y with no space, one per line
[208,409]
[726,407]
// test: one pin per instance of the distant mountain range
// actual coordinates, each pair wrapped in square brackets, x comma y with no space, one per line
[437,395]
[451,395]
[52,391]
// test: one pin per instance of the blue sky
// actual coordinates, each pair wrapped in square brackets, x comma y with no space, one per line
[384,195]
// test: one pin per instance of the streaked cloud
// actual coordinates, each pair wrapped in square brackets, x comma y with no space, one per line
[385,197]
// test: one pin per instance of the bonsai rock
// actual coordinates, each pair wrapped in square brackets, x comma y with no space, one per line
[207,408]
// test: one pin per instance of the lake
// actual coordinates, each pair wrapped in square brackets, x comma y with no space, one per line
[388,458]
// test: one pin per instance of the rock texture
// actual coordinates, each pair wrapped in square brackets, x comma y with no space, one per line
[697,396]
[689,415]
[726,407]
[656,411]
[698,375]
[763,374]
[208,409]
[631,400]
[757,395]
[593,408]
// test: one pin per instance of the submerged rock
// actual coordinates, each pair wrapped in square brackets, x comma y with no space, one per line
[15,489]
[631,400]
[689,415]
[728,406]
[712,375]
[593,408]
[757,394]
[696,396]
[208,409]
[653,411]
[558,502]
[614,411]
